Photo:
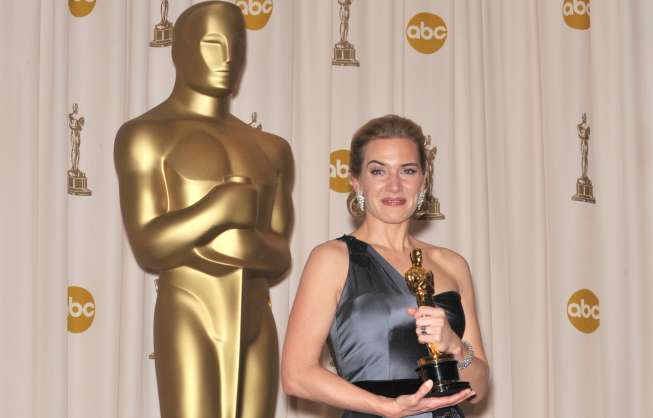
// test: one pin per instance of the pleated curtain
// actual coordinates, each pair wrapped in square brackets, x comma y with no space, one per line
[563,286]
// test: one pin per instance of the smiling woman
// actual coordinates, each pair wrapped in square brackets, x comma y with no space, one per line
[353,294]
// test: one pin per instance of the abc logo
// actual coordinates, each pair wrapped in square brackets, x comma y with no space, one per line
[81,309]
[576,13]
[426,32]
[583,311]
[339,171]
[80,8]
[256,12]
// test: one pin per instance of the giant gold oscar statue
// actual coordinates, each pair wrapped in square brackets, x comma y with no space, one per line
[206,203]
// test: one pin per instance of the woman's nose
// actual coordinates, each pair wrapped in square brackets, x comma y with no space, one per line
[394,183]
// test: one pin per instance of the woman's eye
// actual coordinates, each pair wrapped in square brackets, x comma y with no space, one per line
[410,171]
[376,171]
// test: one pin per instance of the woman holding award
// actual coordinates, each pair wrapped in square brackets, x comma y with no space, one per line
[354,293]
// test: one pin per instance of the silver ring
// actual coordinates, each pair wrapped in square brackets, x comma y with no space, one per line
[422,330]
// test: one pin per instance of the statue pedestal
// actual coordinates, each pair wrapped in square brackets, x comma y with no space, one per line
[584,191]
[431,210]
[344,54]
[163,33]
[77,183]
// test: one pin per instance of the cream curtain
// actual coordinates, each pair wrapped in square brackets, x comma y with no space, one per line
[563,287]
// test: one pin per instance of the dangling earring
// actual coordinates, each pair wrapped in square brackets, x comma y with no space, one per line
[420,200]
[360,200]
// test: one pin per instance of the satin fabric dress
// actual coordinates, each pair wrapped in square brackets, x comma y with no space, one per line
[372,339]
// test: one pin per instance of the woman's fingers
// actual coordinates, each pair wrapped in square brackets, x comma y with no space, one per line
[409,402]
[441,402]
[418,402]
[429,311]
[423,390]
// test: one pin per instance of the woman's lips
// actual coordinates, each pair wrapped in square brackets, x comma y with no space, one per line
[393,201]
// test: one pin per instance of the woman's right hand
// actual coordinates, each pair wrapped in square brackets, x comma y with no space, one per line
[417,403]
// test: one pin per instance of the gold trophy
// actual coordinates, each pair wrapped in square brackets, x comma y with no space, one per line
[255,123]
[344,52]
[441,368]
[206,203]
[163,31]
[77,181]
[584,189]
[430,210]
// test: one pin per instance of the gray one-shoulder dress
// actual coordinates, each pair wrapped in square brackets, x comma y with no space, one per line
[372,338]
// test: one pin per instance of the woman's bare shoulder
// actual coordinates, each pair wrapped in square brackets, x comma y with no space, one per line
[330,250]
[326,270]
[329,258]
[448,259]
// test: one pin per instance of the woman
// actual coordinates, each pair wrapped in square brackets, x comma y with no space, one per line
[353,291]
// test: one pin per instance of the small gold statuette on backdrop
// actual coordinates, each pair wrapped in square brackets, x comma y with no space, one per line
[77,182]
[584,189]
[441,368]
[254,123]
[163,31]
[430,210]
[344,52]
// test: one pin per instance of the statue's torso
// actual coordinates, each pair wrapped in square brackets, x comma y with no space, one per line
[199,154]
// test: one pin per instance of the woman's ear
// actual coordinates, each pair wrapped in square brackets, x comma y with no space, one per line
[355,184]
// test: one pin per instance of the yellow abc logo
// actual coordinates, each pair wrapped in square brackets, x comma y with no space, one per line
[80,8]
[256,12]
[339,171]
[583,311]
[81,309]
[576,13]
[426,32]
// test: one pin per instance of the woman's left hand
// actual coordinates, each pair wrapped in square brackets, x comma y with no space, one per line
[432,326]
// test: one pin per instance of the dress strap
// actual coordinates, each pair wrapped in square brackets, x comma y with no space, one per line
[357,250]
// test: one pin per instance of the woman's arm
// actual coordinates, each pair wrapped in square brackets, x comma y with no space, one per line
[311,316]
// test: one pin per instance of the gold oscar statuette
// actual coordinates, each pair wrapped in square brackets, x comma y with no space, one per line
[163,31]
[254,122]
[441,368]
[430,210]
[206,204]
[584,188]
[77,181]
[344,52]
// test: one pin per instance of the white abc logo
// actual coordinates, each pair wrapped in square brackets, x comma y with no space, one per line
[340,169]
[426,32]
[576,7]
[76,309]
[583,310]
[253,8]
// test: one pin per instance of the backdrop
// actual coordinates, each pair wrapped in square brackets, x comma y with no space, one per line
[563,286]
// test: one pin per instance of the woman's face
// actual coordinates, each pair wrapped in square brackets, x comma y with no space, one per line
[390,179]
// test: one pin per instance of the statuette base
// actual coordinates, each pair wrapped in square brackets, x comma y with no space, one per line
[443,371]
[163,33]
[584,191]
[345,54]
[431,210]
[77,183]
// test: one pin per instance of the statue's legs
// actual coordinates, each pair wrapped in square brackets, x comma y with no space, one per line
[197,343]
[260,376]
[75,153]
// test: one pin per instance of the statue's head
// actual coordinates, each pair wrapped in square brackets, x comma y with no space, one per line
[209,47]
[416,257]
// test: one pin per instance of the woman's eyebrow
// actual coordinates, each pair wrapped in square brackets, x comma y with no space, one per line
[376,162]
